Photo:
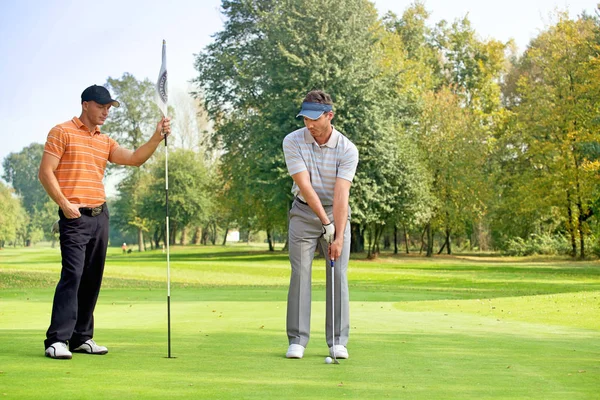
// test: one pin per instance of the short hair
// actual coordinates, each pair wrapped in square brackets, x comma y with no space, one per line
[318,96]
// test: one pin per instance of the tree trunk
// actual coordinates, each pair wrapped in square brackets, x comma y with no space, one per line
[378,233]
[157,238]
[213,236]
[140,240]
[196,235]
[442,248]
[184,235]
[270,240]
[395,239]
[429,240]
[357,239]
[581,232]
[204,235]
[387,243]
[405,238]
[446,243]
[225,235]
[423,240]
[570,227]
[172,232]
[369,242]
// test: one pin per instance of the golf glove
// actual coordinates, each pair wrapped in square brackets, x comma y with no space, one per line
[328,232]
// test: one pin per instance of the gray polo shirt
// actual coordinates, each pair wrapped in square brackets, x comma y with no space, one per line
[337,158]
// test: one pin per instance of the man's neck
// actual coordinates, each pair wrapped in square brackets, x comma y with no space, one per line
[87,122]
[322,141]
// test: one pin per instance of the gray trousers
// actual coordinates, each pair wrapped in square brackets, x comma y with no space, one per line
[305,230]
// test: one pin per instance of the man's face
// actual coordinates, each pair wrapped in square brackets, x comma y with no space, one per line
[96,113]
[319,128]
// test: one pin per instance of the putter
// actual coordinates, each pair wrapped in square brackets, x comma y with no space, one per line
[335,361]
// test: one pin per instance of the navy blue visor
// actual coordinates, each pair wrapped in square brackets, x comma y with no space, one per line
[314,110]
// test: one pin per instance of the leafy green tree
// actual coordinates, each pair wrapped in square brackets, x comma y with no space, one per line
[11,215]
[555,108]
[131,125]
[253,78]
[191,190]
[21,170]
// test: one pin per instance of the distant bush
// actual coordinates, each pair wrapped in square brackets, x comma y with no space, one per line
[594,245]
[545,244]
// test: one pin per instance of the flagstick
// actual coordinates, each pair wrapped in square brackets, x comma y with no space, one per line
[161,101]
[168,241]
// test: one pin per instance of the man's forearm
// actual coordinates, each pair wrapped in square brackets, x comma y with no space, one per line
[50,184]
[341,197]
[143,153]
[302,179]
[340,218]
[312,199]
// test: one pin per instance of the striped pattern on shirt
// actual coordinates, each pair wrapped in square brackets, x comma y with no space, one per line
[83,156]
[337,158]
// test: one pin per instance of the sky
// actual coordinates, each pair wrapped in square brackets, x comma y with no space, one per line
[52,50]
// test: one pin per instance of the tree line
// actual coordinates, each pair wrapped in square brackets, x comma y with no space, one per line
[464,143]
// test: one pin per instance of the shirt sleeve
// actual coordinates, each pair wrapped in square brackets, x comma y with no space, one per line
[348,163]
[56,142]
[112,146]
[293,156]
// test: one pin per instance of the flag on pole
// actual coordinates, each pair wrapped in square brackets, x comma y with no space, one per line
[162,98]
[162,95]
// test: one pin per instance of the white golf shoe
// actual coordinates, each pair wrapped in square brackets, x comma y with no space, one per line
[340,351]
[58,350]
[90,347]
[295,351]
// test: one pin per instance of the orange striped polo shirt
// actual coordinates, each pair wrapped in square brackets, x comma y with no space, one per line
[83,156]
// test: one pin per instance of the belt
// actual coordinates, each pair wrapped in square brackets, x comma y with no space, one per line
[92,211]
[305,203]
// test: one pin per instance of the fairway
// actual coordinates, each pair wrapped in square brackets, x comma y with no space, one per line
[441,328]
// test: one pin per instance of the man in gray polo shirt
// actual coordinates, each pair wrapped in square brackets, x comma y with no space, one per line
[322,163]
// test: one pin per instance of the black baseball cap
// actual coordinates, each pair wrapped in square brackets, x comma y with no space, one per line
[99,94]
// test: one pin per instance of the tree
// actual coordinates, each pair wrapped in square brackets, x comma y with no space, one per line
[21,170]
[11,215]
[554,124]
[253,78]
[190,192]
[130,125]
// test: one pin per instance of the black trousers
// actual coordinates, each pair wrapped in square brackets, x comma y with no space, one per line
[83,243]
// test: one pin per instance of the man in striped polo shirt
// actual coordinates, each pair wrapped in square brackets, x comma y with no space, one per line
[322,163]
[71,171]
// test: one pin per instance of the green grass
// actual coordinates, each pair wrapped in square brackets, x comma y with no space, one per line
[442,328]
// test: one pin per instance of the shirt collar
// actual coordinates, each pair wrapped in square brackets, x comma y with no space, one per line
[331,143]
[82,126]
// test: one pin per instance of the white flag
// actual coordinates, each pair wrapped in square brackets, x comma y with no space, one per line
[162,95]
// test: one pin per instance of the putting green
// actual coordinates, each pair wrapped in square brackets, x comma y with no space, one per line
[449,329]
